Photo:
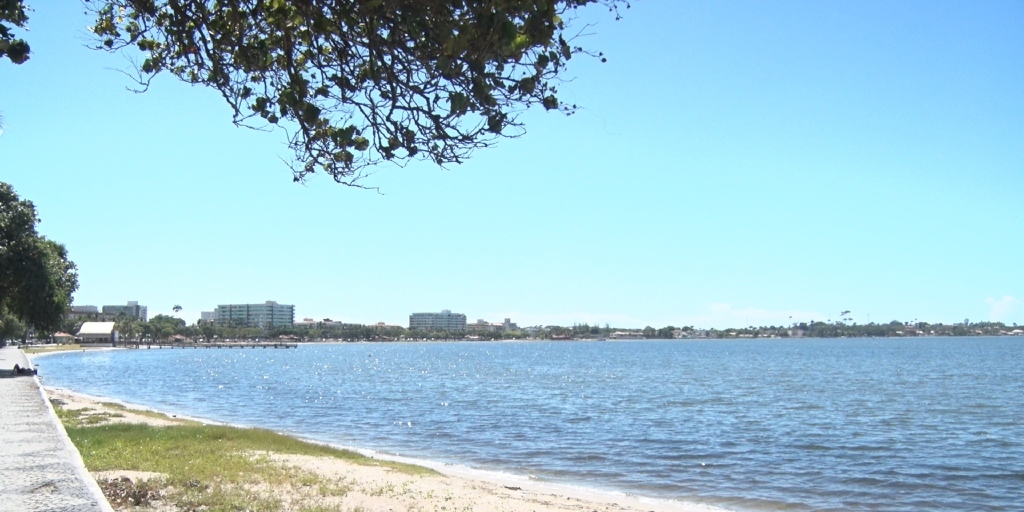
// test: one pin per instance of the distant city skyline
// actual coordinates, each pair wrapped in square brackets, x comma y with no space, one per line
[721,314]
[732,164]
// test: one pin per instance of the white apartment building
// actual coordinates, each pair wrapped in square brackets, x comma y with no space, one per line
[443,321]
[267,315]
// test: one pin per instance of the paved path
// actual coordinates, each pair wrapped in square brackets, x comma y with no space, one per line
[40,470]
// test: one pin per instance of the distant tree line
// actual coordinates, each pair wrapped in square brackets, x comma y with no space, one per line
[165,328]
[842,329]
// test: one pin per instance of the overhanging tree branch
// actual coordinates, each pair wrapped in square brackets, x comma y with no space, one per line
[359,82]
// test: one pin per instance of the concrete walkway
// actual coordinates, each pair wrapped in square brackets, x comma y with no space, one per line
[40,470]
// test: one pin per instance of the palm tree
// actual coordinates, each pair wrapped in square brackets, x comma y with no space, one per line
[125,324]
[177,308]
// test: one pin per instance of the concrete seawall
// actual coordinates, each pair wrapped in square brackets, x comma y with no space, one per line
[40,470]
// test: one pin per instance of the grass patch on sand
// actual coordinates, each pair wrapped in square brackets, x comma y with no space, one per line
[145,412]
[78,417]
[212,467]
[199,450]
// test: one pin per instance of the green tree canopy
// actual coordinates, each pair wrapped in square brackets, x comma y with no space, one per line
[36,277]
[12,15]
[354,82]
[167,321]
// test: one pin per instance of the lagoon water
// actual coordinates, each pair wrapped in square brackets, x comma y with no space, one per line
[849,424]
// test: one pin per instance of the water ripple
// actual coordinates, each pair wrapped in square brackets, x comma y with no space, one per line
[923,424]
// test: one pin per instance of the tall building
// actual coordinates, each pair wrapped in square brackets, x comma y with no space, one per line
[443,321]
[267,315]
[509,325]
[83,311]
[132,310]
[483,326]
[208,317]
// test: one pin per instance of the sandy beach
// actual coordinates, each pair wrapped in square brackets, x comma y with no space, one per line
[376,488]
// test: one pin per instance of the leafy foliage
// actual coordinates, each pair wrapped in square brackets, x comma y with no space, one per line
[10,328]
[359,82]
[162,326]
[36,277]
[12,15]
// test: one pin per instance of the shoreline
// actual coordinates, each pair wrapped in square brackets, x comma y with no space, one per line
[496,486]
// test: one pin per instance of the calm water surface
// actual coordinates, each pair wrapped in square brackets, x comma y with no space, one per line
[855,424]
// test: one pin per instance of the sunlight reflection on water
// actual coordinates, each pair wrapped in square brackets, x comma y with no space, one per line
[927,424]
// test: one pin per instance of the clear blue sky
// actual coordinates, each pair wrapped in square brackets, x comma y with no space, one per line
[736,163]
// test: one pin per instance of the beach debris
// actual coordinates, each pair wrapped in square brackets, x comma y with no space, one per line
[46,488]
[123,492]
[512,488]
